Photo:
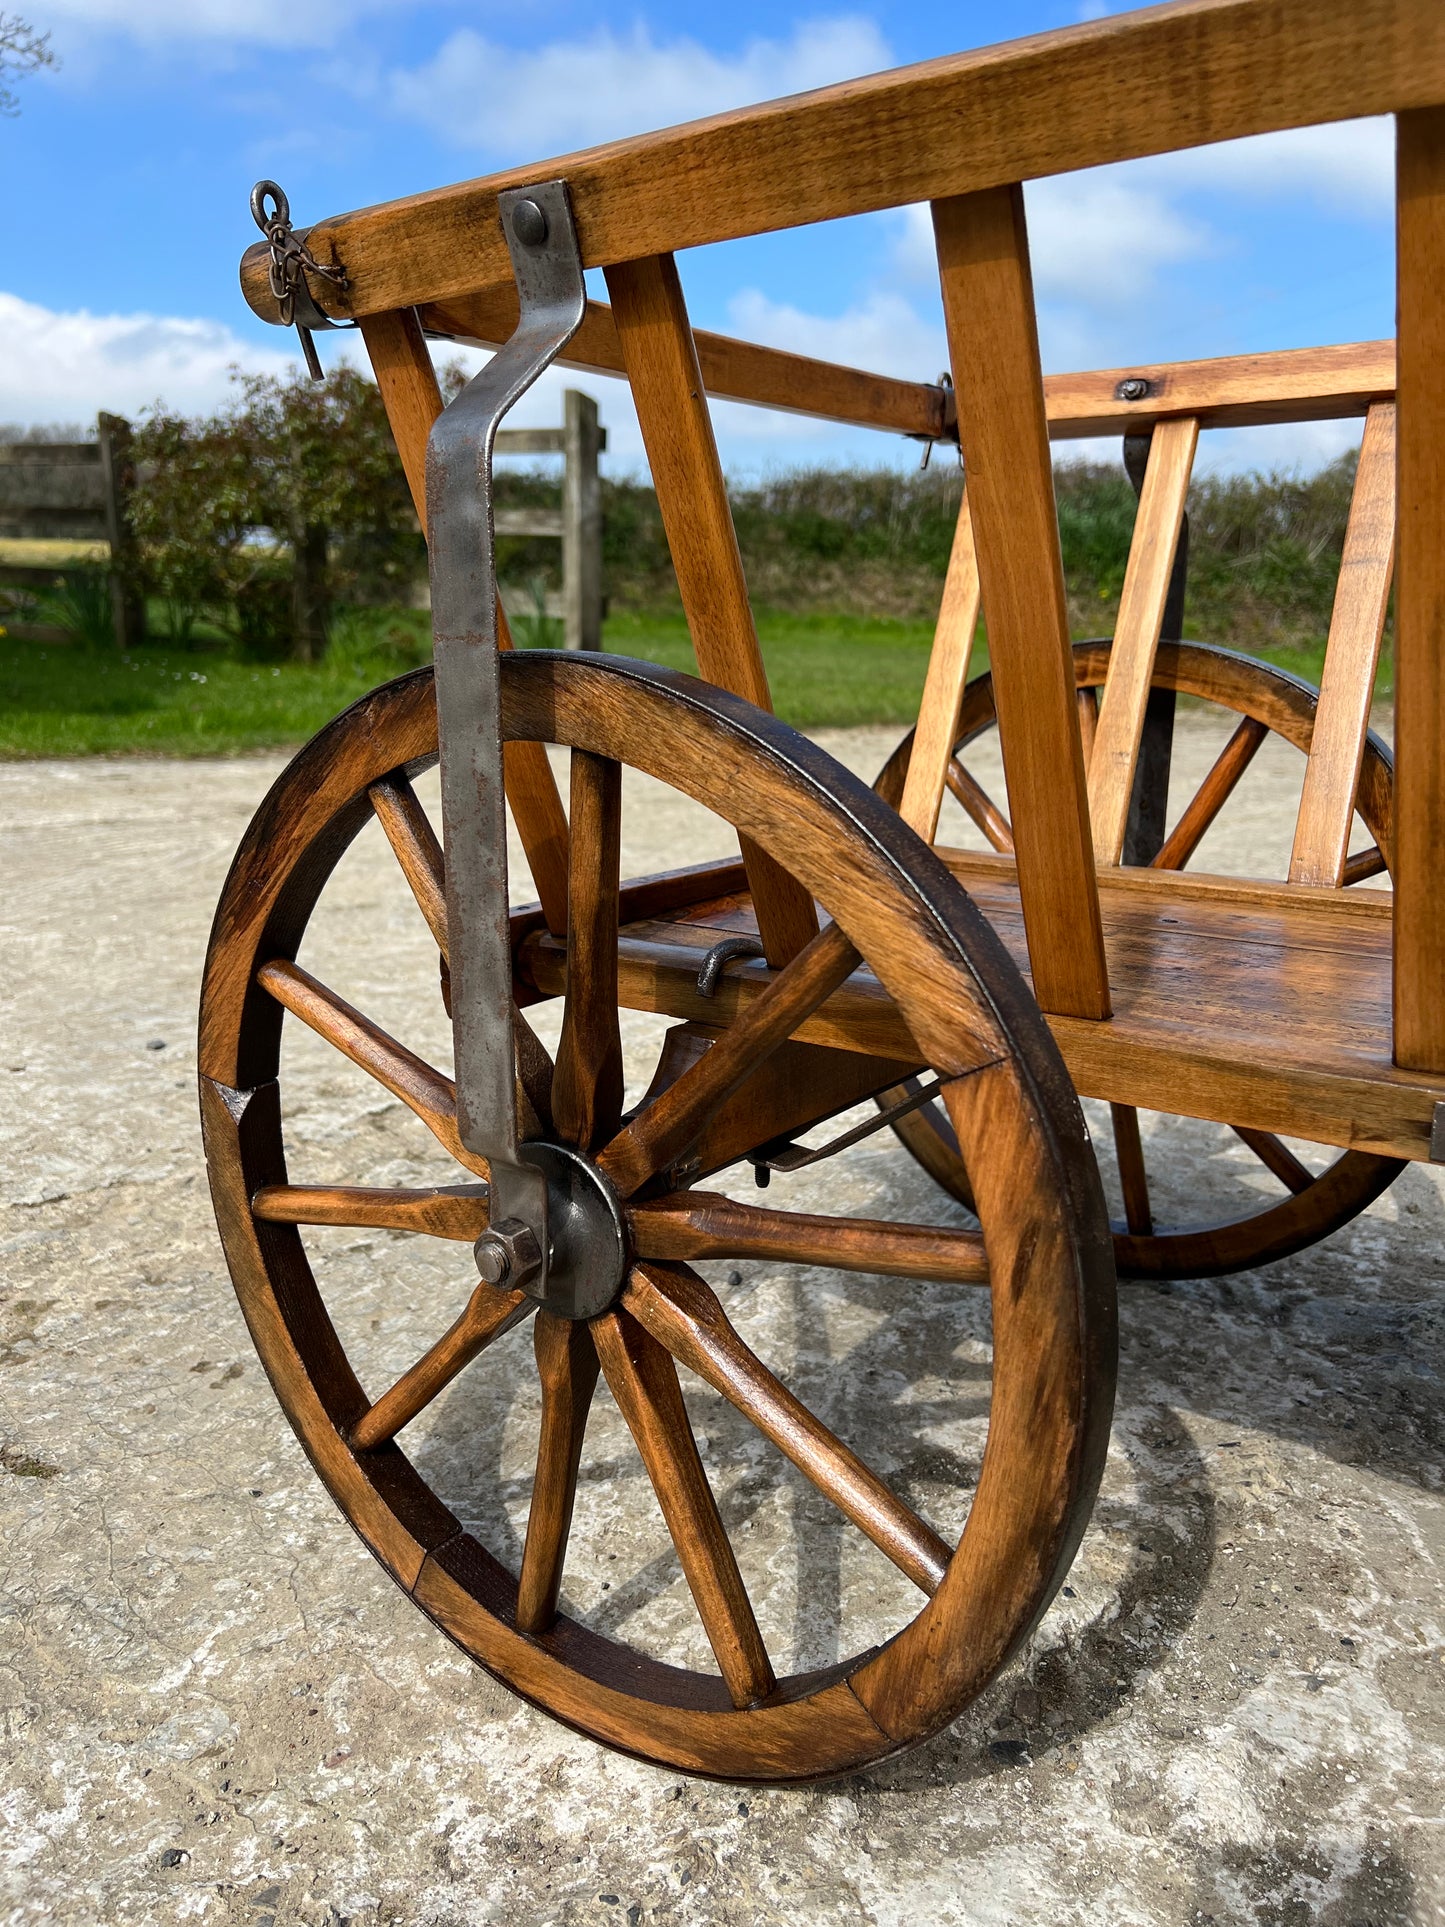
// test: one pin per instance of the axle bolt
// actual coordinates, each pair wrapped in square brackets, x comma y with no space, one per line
[507,1253]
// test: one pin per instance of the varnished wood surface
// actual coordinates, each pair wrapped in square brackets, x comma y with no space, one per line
[988,307]
[683,1314]
[1218,70]
[1234,391]
[948,660]
[1114,752]
[457,1211]
[1420,594]
[643,1380]
[489,1312]
[567,1371]
[587,1085]
[1347,684]
[1228,391]
[667,390]
[701,1224]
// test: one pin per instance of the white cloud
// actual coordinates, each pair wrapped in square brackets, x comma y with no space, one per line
[1347,167]
[242,23]
[65,366]
[574,93]
[1092,239]
[884,333]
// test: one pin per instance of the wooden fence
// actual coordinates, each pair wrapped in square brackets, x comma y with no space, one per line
[578,522]
[63,503]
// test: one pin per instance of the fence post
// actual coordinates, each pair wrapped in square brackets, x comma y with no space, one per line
[581,523]
[118,479]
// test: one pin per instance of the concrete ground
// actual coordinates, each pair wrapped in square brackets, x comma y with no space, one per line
[216,1708]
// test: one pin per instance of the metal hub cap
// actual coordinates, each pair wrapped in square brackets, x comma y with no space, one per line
[588,1259]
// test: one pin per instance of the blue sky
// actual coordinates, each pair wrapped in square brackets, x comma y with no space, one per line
[127,175]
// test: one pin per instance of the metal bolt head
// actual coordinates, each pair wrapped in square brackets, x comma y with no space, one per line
[507,1253]
[1132,388]
[529,224]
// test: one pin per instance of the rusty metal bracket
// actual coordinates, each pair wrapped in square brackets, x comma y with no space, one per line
[547,262]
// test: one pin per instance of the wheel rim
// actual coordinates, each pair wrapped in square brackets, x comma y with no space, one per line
[1050,1268]
[1317,1203]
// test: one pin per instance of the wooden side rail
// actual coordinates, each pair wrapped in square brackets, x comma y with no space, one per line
[1049,104]
[1228,391]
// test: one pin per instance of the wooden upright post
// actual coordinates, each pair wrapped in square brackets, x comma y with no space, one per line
[988,306]
[1420,593]
[118,479]
[660,357]
[581,523]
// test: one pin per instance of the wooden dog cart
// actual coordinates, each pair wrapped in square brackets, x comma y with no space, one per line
[840,960]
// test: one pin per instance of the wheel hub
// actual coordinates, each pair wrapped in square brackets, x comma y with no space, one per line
[588,1258]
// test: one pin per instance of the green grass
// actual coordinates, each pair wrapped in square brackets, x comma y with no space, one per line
[59,700]
[65,700]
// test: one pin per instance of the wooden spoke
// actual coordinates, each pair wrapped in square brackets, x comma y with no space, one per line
[684,1315]
[587,1088]
[643,1379]
[701,1224]
[424,1090]
[1277,1157]
[1133,1179]
[439,1211]
[414,842]
[1363,864]
[567,1367]
[489,1313]
[1213,793]
[665,1129]
[980,806]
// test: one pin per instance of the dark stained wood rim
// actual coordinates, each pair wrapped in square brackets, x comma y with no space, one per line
[1052,1272]
[1286,704]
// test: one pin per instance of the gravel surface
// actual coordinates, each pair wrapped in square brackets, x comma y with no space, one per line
[216,1708]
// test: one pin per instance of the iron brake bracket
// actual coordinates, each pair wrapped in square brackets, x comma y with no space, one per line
[547,262]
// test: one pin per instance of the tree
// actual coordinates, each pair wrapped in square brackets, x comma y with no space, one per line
[22,51]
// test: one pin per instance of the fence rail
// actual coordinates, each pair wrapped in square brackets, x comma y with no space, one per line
[578,522]
[71,492]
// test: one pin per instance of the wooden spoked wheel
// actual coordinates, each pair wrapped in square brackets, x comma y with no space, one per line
[1316,1201]
[960,1010]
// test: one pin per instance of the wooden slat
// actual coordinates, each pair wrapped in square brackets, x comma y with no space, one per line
[1229,391]
[1420,597]
[408,830]
[1218,70]
[423,1090]
[1136,635]
[948,661]
[643,1380]
[661,360]
[683,1314]
[489,1312]
[703,1224]
[587,1083]
[1332,775]
[567,1370]
[457,1211]
[993,342]
[402,364]
[678,1116]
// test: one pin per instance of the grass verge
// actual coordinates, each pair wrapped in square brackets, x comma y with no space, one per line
[59,700]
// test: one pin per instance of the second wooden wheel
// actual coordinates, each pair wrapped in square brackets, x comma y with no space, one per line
[1319,1197]
[904,959]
